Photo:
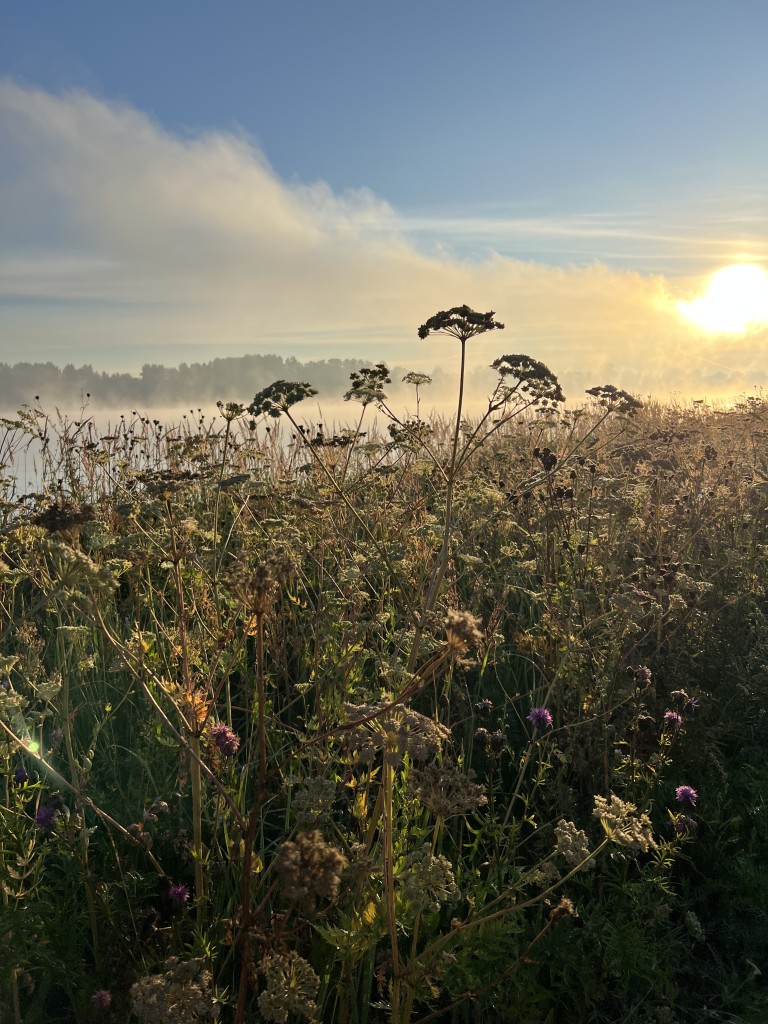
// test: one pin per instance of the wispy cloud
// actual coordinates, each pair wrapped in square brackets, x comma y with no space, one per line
[120,240]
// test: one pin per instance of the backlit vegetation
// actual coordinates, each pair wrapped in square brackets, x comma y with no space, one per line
[414,720]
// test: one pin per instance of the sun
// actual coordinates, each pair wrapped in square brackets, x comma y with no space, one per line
[736,299]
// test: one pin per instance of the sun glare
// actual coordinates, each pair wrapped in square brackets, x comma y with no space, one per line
[735,300]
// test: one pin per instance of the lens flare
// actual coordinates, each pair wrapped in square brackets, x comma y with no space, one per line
[736,300]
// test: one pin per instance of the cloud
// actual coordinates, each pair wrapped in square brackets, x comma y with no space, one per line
[120,239]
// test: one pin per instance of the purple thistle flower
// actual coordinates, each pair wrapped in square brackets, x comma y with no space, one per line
[673,720]
[643,676]
[484,707]
[179,894]
[225,739]
[20,775]
[692,704]
[102,999]
[686,795]
[45,819]
[540,718]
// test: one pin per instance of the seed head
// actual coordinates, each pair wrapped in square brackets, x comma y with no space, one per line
[445,789]
[462,631]
[309,869]
[460,322]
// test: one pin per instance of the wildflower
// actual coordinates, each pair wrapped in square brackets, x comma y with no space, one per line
[45,819]
[102,999]
[483,738]
[257,588]
[642,676]
[673,721]
[225,739]
[484,707]
[460,322]
[624,825]
[462,630]
[564,908]
[686,795]
[313,801]
[692,704]
[291,987]
[540,718]
[572,843]
[498,741]
[397,731]
[179,894]
[309,869]
[693,924]
[445,789]
[184,987]
[19,775]
[427,881]
[5,684]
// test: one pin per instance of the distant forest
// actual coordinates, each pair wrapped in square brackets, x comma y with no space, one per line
[235,378]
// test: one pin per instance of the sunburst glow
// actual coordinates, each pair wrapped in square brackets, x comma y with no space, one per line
[735,300]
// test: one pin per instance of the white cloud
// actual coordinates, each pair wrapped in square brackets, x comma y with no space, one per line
[120,238]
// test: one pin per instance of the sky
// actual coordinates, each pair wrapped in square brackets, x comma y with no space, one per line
[183,180]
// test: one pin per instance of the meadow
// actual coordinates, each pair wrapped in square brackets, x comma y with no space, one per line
[427,718]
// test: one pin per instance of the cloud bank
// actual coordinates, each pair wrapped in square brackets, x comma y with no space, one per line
[122,243]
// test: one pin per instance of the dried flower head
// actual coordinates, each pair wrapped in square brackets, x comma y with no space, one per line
[564,908]
[291,987]
[64,516]
[368,384]
[460,322]
[182,992]
[462,631]
[445,789]
[396,731]
[279,397]
[256,588]
[309,869]
[610,397]
[624,825]
[533,381]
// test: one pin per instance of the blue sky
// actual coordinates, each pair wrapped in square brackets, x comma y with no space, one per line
[182,179]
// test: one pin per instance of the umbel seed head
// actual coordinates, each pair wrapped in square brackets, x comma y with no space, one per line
[460,322]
